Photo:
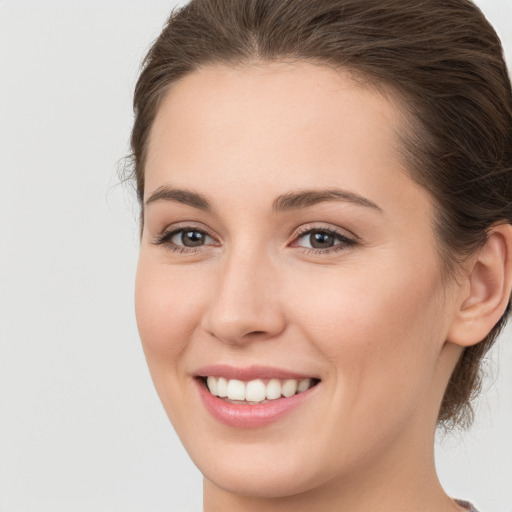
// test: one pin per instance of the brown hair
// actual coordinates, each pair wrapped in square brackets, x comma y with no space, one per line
[440,57]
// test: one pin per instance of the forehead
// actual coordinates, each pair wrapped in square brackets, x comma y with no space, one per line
[275,95]
[277,126]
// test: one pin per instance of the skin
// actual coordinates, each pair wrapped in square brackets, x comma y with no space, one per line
[371,319]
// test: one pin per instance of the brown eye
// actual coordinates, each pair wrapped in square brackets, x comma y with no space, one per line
[189,238]
[321,240]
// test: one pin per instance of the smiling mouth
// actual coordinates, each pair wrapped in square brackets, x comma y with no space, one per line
[257,391]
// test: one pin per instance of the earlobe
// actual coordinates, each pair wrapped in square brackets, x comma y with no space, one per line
[486,291]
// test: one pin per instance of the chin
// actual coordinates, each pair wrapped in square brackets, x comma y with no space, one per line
[258,470]
[277,482]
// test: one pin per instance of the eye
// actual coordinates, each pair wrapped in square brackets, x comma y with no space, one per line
[189,238]
[184,239]
[323,240]
[318,240]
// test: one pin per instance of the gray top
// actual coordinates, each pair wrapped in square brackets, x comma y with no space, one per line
[467,505]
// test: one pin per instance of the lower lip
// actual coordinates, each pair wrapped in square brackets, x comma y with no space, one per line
[250,416]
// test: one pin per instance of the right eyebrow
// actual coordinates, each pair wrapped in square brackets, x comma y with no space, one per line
[165,193]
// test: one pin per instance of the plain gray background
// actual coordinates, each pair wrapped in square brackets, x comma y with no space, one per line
[81,428]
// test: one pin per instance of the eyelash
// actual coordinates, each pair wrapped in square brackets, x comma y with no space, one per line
[166,236]
[344,242]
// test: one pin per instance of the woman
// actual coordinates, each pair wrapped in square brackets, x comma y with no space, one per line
[326,250]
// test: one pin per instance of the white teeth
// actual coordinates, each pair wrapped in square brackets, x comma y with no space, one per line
[273,389]
[304,384]
[236,390]
[290,387]
[256,391]
[212,385]
[222,387]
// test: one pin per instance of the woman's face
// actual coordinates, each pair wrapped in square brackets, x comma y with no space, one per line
[283,241]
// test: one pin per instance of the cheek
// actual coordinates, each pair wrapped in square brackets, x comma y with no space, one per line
[166,311]
[381,335]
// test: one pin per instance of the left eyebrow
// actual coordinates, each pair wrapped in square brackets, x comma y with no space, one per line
[305,198]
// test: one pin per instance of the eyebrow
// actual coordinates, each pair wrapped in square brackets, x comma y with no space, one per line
[305,198]
[187,197]
[285,202]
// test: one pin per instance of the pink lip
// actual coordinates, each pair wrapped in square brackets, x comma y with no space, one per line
[250,416]
[249,373]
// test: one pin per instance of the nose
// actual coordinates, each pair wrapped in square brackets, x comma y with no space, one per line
[245,305]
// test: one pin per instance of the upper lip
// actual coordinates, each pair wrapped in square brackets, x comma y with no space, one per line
[248,373]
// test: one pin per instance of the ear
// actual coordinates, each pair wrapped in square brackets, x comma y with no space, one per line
[486,289]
